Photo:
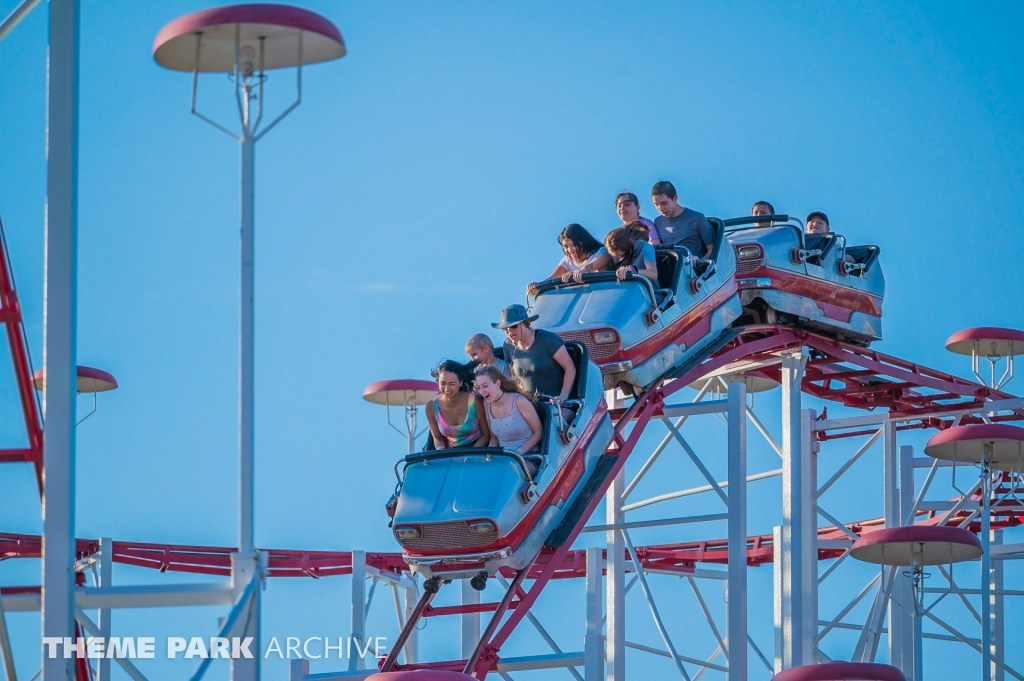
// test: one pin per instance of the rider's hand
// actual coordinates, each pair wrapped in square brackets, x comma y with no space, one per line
[577,276]
[567,277]
[621,273]
[532,289]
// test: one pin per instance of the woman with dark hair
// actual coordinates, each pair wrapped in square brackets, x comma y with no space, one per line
[629,251]
[511,416]
[580,248]
[454,415]
[627,205]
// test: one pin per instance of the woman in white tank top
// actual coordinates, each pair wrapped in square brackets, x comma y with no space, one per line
[513,420]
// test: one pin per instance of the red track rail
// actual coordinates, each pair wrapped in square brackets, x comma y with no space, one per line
[11,318]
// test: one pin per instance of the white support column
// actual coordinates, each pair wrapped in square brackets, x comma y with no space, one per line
[891,517]
[358,633]
[411,644]
[245,568]
[246,354]
[298,670]
[899,498]
[60,333]
[470,621]
[593,643]
[6,651]
[103,614]
[777,594]
[615,568]
[986,570]
[736,625]
[799,584]
[809,471]
[998,646]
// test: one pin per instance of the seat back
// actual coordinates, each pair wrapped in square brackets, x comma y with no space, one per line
[547,424]
[668,259]
[581,358]
[719,229]
[815,242]
[865,255]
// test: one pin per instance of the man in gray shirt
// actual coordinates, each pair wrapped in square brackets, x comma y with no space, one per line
[679,225]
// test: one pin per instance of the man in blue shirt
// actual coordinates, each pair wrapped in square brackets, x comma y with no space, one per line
[679,225]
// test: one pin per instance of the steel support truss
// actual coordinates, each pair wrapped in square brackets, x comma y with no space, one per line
[809,547]
[894,611]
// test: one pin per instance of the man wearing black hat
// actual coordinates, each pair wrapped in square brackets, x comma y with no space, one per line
[538,357]
[817,223]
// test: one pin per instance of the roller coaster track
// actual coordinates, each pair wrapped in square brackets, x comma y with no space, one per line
[836,371]
[11,318]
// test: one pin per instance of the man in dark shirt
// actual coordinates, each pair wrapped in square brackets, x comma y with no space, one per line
[679,225]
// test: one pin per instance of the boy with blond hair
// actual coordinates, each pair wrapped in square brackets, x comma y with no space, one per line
[480,349]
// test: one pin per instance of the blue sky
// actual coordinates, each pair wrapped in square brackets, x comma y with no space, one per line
[416,191]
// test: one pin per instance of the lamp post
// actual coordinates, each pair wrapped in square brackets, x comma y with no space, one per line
[246,41]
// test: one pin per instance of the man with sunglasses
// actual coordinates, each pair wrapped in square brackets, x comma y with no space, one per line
[538,357]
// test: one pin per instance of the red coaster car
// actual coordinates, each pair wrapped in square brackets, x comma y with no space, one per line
[815,280]
[638,330]
[464,513]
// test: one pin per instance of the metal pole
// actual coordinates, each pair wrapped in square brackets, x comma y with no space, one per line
[470,620]
[986,569]
[809,471]
[247,568]
[918,646]
[15,17]
[103,616]
[6,652]
[615,567]
[246,394]
[996,620]
[593,644]
[777,595]
[356,662]
[410,423]
[59,334]
[411,598]
[797,643]
[736,626]
[653,607]
[899,627]
[903,618]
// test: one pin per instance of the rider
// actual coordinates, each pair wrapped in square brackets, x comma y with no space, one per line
[762,208]
[817,223]
[680,225]
[581,249]
[480,349]
[454,416]
[628,208]
[630,252]
[539,359]
[512,418]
